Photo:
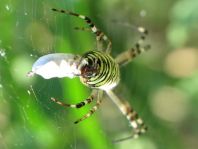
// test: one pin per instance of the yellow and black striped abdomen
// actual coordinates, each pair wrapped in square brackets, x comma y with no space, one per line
[99,70]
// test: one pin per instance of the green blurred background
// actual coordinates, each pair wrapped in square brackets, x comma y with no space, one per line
[161,84]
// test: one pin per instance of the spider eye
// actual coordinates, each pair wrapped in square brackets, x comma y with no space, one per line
[88,71]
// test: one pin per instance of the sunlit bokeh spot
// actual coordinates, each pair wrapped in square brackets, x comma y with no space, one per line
[182,62]
[40,37]
[137,144]
[169,104]
[19,69]
[177,34]
[45,138]
[2,53]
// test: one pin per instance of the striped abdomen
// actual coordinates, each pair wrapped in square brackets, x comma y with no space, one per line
[99,70]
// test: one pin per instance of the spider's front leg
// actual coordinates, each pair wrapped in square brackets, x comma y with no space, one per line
[126,56]
[100,36]
[78,105]
[135,121]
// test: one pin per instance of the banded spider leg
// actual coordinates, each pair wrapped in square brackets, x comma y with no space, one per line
[99,34]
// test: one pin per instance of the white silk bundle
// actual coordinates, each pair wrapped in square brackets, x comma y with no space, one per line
[56,65]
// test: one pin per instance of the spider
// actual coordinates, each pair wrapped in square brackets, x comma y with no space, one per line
[97,69]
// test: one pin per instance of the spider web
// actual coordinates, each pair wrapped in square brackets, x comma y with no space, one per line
[29,119]
[35,120]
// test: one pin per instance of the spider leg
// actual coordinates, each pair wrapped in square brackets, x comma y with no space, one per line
[99,34]
[78,105]
[93,109]
[82,28]
[128,55]
[136,123]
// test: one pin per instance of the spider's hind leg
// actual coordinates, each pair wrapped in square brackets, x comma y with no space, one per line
[135,121]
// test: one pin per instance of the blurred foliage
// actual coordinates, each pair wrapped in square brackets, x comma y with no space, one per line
[161,84]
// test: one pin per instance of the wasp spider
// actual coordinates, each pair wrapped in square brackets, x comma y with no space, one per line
[98,70]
